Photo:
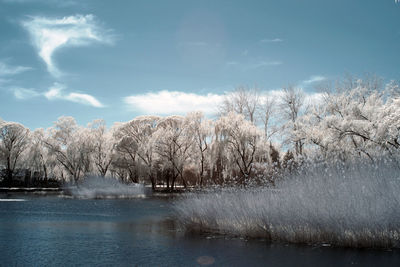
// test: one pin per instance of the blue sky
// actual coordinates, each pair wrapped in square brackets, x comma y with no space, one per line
[119,59]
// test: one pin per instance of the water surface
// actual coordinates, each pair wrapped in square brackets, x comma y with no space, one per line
[58,231]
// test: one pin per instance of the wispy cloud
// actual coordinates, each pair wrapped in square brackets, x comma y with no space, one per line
[25,93]
[173,102]
[264,64]
[50,34]
[56,92]
[232,63]
[274,40]
[252,66]
[313,79]
[11,70]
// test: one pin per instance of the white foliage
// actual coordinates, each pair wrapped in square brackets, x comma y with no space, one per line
[14,139]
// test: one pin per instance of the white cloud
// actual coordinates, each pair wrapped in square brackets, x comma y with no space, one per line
[275,40]
[25,93]
[12,70]
[313,79]
[262,64]
[173,102]
[84,99]
[48,35]
[251,66]
[56,92]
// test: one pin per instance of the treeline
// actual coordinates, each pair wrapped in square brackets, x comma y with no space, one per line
[255,139]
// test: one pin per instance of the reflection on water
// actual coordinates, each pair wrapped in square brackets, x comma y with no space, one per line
[127,232]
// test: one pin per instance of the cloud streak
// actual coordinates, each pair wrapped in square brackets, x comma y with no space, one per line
[6,70]
[50,34]
[25,93]
[262,64]
[275,40]
[252,66]
[313,79]
[57,92]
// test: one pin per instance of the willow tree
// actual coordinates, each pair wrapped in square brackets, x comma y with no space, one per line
[14,139]
[134,139]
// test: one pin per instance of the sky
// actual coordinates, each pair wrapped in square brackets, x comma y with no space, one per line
[119,59]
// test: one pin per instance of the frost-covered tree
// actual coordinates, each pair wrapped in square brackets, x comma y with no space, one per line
[38,158]
[356,122]
[173,140]
[291,103]
[266,112]
[201,129]
[242,100]
[241,141]
[135,139]
[71,147]
[103,146]
[14,139]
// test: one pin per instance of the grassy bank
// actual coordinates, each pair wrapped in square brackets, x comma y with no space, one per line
[354,206]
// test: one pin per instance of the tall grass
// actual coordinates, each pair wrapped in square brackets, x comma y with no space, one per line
[355,205]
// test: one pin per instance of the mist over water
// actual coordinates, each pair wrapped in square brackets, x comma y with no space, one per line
[355,205]
[101,187]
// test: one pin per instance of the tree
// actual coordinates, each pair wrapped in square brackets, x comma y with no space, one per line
[38,156]
[242,100]
[135,138]
[14,139]
[240,139]
[71,147]
[200,128]
[291,102]
[172,141]
[354,122]
[103,146]
[266,113]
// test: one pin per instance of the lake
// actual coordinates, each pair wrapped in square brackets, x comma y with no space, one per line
[59,231]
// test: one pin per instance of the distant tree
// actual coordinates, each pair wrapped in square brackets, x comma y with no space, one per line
[243,101]
[288,162]
[275,157]
[266,113]
[14,139]
[291,102]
